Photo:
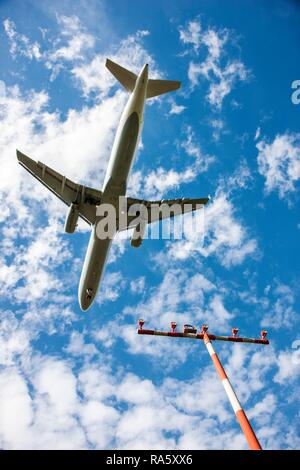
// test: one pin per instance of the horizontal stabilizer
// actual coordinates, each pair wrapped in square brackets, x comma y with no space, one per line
[159,87]
[128,80]
[125,77]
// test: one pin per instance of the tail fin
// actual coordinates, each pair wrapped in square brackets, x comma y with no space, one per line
[126,78]
[159,87]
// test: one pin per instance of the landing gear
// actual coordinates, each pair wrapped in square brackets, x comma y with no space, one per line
[89,293]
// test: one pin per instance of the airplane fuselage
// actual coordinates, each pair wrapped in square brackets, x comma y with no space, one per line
[115,184]
[111,210]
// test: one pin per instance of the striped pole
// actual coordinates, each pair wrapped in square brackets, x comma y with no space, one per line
[239,412]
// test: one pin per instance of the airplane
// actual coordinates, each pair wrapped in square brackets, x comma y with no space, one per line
[85,202]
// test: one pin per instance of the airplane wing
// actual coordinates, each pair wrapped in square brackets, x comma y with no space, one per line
[65,189]
[163,209]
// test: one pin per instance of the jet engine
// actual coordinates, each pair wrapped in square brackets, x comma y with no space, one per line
[72,218]
[138,235]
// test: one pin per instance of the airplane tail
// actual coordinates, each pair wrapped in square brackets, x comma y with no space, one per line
[128,80]
[159,87]
[125,77]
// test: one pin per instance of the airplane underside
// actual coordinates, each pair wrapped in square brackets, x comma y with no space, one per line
[89,203]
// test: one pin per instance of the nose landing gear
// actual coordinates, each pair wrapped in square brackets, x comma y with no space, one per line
[89,293]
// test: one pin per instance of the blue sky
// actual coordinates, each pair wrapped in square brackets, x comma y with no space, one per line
[72,379]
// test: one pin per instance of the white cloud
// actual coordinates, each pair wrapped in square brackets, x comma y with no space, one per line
[94,405]
[280,308]
[160,180]
[222,77]
[93,77]
[221,80]
[277,305]
[214,41]
[279,163]
[71,49]
[137,286]
[224,235]
[218,312]
[28,273]
[78,347]
[106,335]
[54,401]
[112,286]
[182,298]
[193,149]
[288,367]
[57,142]
[257,133]
[15,340]
[99,421]
[100,407]
[31,274]
[176,109]
[2,89]
[16,409]
[70,46]
[137,391]
[200,396]
[191,35]
[162,353]
[157,182]
[241,178]
[19,44]
[56,382]
[218,128]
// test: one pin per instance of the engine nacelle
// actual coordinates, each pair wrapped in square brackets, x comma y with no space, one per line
[138,235]
[72,218]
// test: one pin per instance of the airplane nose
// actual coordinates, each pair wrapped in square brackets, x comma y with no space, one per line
[84,301]
[84,305]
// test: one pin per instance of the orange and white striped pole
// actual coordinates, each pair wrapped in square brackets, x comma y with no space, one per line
[239,412]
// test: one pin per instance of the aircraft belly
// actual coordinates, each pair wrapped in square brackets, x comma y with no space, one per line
[89,203]
[93,269]
[125,150]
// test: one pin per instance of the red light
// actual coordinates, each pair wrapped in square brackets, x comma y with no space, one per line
[141,323]
[263,334]
[235,332]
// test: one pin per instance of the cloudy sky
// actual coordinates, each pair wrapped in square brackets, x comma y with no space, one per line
[73,379]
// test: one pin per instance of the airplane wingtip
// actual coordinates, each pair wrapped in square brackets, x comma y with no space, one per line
[19,155]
